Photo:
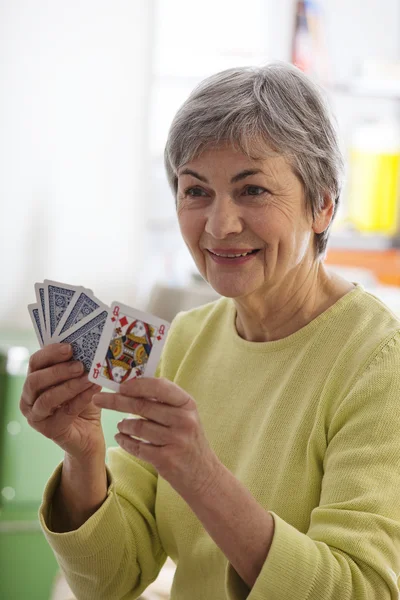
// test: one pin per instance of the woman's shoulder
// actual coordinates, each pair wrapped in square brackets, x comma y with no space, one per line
[373,315]
[359,333]
[380,326]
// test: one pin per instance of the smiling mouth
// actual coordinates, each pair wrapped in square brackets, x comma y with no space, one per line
[235,255]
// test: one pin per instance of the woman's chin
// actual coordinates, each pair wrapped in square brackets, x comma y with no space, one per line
[231,289]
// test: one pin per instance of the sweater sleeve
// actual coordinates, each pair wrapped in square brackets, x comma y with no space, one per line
[117,552]
[351,550]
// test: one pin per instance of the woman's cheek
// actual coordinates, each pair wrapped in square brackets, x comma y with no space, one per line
[190,229]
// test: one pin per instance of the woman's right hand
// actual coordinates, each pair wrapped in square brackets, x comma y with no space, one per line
[57,401]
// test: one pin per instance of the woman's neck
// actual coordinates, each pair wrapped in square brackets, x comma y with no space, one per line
[282,313]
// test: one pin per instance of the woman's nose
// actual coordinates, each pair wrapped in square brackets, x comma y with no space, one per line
[223,217]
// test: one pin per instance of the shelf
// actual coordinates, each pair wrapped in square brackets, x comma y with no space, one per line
[384,264]
[386,89]
[350,240]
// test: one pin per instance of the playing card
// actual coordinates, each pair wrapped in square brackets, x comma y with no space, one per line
[84,337]
[130,346]
[34,314]
[80,307]
[57,297]
[39,291]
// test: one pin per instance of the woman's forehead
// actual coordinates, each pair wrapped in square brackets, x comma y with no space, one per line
[229,160]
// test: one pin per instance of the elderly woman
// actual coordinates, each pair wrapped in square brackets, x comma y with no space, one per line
[269,460]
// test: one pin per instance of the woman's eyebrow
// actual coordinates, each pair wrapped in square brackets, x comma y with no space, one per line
[190,172]
[244,174]
[235,178]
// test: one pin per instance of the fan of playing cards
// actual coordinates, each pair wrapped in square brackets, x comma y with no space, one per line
[114,343]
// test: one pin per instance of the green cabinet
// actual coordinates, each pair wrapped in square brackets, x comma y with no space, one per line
[27,459]
[27,563]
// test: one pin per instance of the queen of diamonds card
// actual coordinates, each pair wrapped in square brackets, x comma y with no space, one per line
[130,346]
[128,350]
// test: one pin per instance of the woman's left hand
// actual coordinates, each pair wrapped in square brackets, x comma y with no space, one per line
[177,448]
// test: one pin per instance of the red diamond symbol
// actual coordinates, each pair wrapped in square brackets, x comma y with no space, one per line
[159,337]
[113,319]
[98,365]
[123,321]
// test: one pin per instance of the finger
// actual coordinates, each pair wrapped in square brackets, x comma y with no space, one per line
[164,414]
[61,421]
[49,355]
[138,448]
[39,381]
[156,434]
[80,402]
[52,398]
[158,388]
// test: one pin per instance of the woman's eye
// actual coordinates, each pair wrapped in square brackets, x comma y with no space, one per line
[254,190]
[195,191]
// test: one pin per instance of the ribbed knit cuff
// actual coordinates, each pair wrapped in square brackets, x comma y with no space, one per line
[288,571]
[96,533]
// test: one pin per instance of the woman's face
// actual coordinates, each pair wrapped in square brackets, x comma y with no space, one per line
[226,200]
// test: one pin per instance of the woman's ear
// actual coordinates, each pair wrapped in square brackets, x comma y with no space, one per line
[324,217]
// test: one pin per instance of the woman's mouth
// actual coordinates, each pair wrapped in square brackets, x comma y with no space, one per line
[233,260]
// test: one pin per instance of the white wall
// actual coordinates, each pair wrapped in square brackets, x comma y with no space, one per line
[355,30]
[74,96]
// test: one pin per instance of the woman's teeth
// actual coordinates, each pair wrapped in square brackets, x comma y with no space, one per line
[234,255]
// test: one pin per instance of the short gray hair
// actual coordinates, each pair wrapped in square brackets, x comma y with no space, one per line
[274,106]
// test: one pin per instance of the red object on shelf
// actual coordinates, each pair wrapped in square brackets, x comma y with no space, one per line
[301,42]
[384,264]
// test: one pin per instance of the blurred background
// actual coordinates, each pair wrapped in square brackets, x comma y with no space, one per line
[88,89]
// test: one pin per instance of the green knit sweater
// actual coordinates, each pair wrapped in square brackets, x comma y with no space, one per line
[310,424]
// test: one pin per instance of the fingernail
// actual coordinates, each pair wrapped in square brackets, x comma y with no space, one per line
[76,367]
[65,348]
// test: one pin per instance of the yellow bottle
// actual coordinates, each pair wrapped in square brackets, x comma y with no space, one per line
[374,177]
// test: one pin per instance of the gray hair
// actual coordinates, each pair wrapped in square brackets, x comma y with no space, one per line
[274,106]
